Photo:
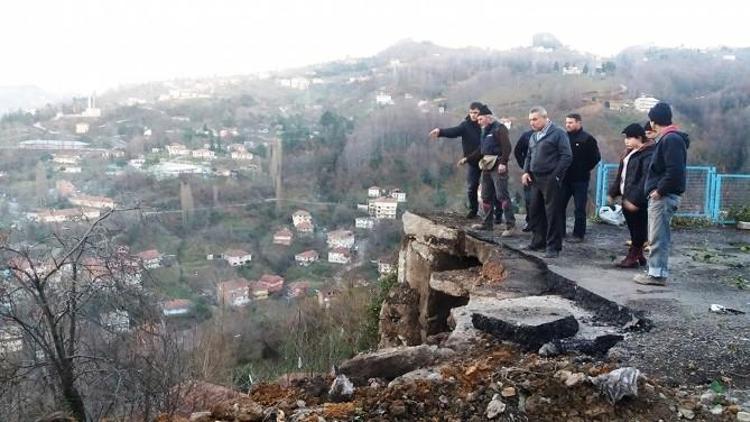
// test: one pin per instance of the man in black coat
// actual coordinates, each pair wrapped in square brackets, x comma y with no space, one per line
[576,183]
[520,151]
[470,134]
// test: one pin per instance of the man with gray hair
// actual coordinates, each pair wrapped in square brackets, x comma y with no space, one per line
[547,161]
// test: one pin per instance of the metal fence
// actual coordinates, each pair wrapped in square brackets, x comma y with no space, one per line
[729,191]
[708,194]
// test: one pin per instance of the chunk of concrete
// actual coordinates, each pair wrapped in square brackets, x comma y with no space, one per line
[530,322]
[392,362]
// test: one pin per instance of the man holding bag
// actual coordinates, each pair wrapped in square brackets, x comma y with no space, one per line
[493,157]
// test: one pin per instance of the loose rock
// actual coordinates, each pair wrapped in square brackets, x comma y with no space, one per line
[495,407]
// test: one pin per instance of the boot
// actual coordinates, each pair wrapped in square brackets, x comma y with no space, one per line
[642,261]
[630,261]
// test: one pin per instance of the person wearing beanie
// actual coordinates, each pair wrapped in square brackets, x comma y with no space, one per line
[494,154]
[628,184]
[576,182]
[469,132]
[665,182]
[547,161]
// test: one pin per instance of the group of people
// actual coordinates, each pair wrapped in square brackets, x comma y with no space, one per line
[556,165]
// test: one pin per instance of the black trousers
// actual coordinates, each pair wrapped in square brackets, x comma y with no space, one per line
[638,225]
[545,214]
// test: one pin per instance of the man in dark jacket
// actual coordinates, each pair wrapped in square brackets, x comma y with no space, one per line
[576,183]
[520,152]
[493,158]
[665,182]
[470,132]
[548,158]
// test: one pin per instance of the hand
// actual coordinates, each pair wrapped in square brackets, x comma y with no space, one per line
[435,133]
[461,162]
[654,195]
[610,200]
[629,206]
[526,179]
[502,168]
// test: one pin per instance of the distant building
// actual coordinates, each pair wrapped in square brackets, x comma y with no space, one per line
[644,104]
[572,70]
[63,215]
[301,216]
[283,237]
[233,293]
[383,99]
[241,155]
[176,307]
[340,239]
[307,257]
[11,340]
[204,154]
[272,283]
[237,257]
[66,158]
[258,291]
[383,208]
[339,256]
[385,267]
[137,163]
[150,258]
[398,195]
[82,128]
[70,169]
[373,192]
[366,223]
[91,201]
[363,207]
[178,150]
[326,296]
[729,57]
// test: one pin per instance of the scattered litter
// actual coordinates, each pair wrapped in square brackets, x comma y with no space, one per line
[721,309]
[612,215]
[619,383]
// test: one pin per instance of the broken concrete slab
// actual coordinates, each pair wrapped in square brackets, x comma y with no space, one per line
[392,362]
[399,318]
[530,328]
[437,236]
[456,283]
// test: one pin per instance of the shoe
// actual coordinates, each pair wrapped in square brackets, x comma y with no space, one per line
[574,239]
[498,221]
[533,248]
[471,215]
[481,226]
[650,280]
[552,254]
[638,254]
[526,228]
[508,232]
[630,261]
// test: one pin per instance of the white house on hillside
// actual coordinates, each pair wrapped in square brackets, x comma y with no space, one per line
[340,239]
[383,208]
[373,192]
[237,257]
[339,256]
[364,223]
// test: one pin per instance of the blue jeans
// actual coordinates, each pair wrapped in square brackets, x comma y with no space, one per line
[579,191]
[660,212]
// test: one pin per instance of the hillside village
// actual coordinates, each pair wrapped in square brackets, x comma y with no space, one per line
[261,211]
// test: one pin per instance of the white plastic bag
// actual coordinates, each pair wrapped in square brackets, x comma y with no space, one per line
[612,216]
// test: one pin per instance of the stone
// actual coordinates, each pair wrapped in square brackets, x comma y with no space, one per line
[200,417]
[575,379]
[455,283]
[717,410]
[508,392]
[399,318]
[528,326]
[391,362]
[397,408]
[493,270]
[437,236]
[422,374]
[341,390]
[708,397]
[495,408]
[743,417]
[301,404]
[686,413]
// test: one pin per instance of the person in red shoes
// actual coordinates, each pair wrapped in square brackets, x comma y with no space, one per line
[629,184]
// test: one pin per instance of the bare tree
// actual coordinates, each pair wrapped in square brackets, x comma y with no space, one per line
[67,304]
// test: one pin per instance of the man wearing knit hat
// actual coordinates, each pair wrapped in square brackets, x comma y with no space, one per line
[665,182]
[494,154]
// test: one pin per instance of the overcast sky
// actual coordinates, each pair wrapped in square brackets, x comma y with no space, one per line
[84,45]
